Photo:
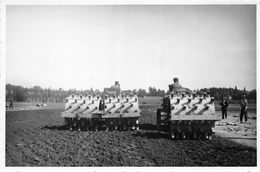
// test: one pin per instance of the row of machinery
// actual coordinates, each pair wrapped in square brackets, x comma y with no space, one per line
[182,115]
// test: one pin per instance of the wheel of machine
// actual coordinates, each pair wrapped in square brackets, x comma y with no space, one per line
[128,124]
[79,124]
[70,123]
[132,123]
[120,124]
[189,131]
[137,124]
[67,123]
[107,122]
[204,134]
[188,136]
[111,124]
[208,133]
[87,124]
[75,122]
[82,124]
[177,136]
[115,122]
[199,135]
[172,134]
[183,135]
[124,124]
[195,135]
[96,126]
[92,125]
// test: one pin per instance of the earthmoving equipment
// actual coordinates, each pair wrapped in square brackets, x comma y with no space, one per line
[186,115]
[111,110]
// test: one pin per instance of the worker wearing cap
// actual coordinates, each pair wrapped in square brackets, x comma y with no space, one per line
[243,111]
[175,87]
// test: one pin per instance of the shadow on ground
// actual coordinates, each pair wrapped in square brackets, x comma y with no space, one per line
[240,138]
[63,127]
[148,127]
[151,135]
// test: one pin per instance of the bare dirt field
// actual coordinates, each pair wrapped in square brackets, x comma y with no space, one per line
[39,138]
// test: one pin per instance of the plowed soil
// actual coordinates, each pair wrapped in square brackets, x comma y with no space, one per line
[39,138]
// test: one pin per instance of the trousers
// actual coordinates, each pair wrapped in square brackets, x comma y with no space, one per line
[243,113]
[224,113]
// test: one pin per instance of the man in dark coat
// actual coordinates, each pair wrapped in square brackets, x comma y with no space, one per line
[224,105]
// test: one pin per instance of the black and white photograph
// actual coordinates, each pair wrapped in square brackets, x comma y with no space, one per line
[129,84]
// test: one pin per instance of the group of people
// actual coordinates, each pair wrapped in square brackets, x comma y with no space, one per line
[243,110]
[176,87]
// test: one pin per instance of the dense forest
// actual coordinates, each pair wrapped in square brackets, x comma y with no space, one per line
[38,94]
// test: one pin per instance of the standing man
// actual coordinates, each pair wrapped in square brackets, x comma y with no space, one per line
[243,111]
[224,105]
[11,103]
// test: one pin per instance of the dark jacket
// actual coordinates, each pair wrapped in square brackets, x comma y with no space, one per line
[224,104]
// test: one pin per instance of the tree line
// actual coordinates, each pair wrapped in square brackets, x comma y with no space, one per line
[38,94]
[217,93]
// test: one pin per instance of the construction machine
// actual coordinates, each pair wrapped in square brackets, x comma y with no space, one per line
[186,115]
[112,110]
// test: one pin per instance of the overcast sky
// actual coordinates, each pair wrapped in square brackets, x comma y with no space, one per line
[138,45]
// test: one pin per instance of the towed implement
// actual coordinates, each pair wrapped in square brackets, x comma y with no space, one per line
[187,116]
[113,110]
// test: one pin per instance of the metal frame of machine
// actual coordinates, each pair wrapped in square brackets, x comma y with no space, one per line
[187,116]
[112,110]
